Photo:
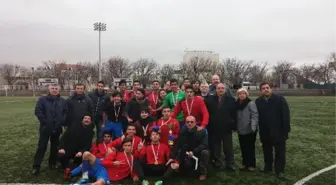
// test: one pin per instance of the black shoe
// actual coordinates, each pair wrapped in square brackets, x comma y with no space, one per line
[35,171]
[266,171]
[281,176]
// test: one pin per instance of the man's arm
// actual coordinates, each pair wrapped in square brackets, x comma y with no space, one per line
[87,144]
[204,143]
[285,115]
[65,113]
[64,139]
[126,109]
[39,110]
[205,114]
[177,109]
[254,116]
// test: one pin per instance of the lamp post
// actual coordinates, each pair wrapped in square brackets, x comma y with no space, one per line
[99,26]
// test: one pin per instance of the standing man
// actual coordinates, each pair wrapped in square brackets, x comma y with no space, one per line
[123,90]
[98,98]
[154,96]
[222,122]
[173,98]
[51,111]
[204,90]
[196,85]
[79,105]
[192,106]
[215,80]
[192,142]
[274,125]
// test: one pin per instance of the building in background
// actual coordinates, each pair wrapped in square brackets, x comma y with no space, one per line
[189,54]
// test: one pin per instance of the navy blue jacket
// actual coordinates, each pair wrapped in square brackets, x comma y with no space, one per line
[78,107]
[98,100]
[51,111]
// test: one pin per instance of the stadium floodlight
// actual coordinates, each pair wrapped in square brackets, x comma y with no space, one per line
[99,26]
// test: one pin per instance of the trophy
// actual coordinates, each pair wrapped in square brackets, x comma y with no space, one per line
[171,140]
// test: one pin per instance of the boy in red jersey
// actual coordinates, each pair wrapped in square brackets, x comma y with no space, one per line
[100,149]
[193,106]
[155,160]
[153,97]
[169,127]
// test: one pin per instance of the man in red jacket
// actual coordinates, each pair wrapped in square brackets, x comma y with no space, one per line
[137,142]
[169,127]
[154,96]
[155,160]
[193,106]
[100,149]
[123,91]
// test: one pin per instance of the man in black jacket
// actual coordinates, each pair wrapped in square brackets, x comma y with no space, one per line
[75,141]
[135,105]
[192,143]
[98,98]
[221,108]
[51,111]
[79,105]
[274,127]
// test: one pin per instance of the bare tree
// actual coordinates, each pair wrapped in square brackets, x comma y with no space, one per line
[332,61]
[57,69]
[282,72]
[145,70]
[323,73]
[167,72]
[117,67]
[198,67]
[235,71]
[257,73]
[10,73]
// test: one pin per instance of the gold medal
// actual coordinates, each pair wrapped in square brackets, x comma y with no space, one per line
[156,162]
[170,142]
[170,126]
[170,132]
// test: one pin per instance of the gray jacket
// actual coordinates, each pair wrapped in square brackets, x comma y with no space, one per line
[247,119]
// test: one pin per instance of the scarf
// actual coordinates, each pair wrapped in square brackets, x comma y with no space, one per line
[242,104]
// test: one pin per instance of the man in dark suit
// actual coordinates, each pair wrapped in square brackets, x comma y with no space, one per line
[274,127]
[222,122]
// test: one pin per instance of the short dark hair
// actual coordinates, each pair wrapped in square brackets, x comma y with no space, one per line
[126,140]
[142,91]
[144,109]
[101,82]
[173,81]
[131,125]
[136,81]
[107,133]
[195,81]
[122,82]
[79,84]
[116,94]
[156,81]
[165,107]
[189,87]
[185,79]
[262,84]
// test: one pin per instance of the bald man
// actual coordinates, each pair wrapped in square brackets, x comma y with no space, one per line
[192,142]
[51,111]
[215,80]
[221,108]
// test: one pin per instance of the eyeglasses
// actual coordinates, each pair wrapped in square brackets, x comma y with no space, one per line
[190,121]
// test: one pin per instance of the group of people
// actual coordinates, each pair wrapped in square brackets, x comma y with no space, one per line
[167,130]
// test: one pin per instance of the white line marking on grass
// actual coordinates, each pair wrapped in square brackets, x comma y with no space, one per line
[309,177]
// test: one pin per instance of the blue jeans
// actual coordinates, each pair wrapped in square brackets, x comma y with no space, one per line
[115,127]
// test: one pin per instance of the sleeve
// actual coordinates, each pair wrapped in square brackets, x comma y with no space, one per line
[177,110]
[176,130]
[285,115]
[126,109]
[142,153]
[254,116]
[64,139]
[108,161]
[167,153]
[90,110]
[95,151]
[39,111]
[87,144]
[205,113]
[203,145]
[166,101]
[176,148]
[233,114]
[65,113]
[115,143]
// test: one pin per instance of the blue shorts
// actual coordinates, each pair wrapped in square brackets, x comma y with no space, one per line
[114,127]
[99,172]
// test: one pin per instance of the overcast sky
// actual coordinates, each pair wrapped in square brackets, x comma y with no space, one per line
[263,30]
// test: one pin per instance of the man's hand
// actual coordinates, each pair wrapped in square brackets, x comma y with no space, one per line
[140,146]
[79,154]
[117,163]
[61,151]
[135,178]
[200,128]
[129,120]
[169,161]
[190,154]
[174,166]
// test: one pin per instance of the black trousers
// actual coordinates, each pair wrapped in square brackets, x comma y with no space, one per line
[64,159]
[215,142]
[280,155]
[143,170]
[97,123]
[188,164]
[247,148]
[44,138]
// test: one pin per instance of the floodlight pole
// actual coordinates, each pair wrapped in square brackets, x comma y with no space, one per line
[99,26]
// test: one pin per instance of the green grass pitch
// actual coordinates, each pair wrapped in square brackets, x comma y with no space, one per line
[311,146]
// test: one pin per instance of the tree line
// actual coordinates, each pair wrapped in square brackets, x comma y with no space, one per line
[231,71]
